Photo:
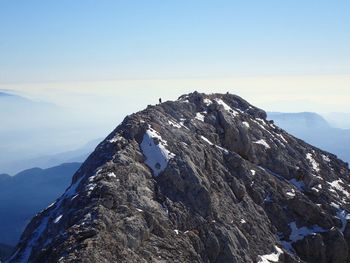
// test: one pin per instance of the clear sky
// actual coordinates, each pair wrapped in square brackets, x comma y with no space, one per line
[290,55]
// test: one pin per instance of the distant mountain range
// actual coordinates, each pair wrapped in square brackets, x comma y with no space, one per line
[28,192]
[338,119]
[314,129]
[46,161]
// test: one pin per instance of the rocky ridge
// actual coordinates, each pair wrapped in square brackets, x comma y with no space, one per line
[206,178]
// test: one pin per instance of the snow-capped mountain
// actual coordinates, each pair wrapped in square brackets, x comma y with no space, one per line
[205,178]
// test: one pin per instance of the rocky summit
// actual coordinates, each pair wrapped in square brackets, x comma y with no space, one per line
[206,178]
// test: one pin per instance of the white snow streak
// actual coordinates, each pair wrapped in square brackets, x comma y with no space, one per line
[174,124]
[57,219]
[312,161]
[226,107]
[263,142]
[217,146]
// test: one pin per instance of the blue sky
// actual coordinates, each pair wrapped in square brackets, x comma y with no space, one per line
[96,40]
[92,41]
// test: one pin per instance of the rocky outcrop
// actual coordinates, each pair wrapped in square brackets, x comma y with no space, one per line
[205,178]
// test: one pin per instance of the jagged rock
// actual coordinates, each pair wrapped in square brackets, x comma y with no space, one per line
[337,248]
[311,249]
[203,179]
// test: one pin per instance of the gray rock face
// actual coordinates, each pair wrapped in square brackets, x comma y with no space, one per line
[205,178]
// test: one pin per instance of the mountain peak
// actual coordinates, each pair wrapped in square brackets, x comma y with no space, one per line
[205,178]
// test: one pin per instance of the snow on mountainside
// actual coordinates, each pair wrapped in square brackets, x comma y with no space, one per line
[205,178]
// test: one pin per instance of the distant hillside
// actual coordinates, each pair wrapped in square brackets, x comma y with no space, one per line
[315,130]
[4,94]
[28,192]
[35,133]
[46,161]
[338,119]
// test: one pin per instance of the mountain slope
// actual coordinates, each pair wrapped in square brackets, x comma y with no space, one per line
[5,250]
[202,179]
[28,192]
[314,129]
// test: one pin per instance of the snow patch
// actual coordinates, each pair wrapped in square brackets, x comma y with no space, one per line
[75,196]
[281,137]
[325,158]
[174,124]
[184,99]
[246,124]
[226,107]
[261,123]
[291,193]
[337,185]
[273,257]
[51,205]
[90,187]
[157,155]
[182,121]
[111,175]
[217,146]
[313,163]
[206,140]
[253,172]
[207,102]
[335,205]
[263,142]
[200,116]
[117,138]
[317,188]
[57,219]
[299,233]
